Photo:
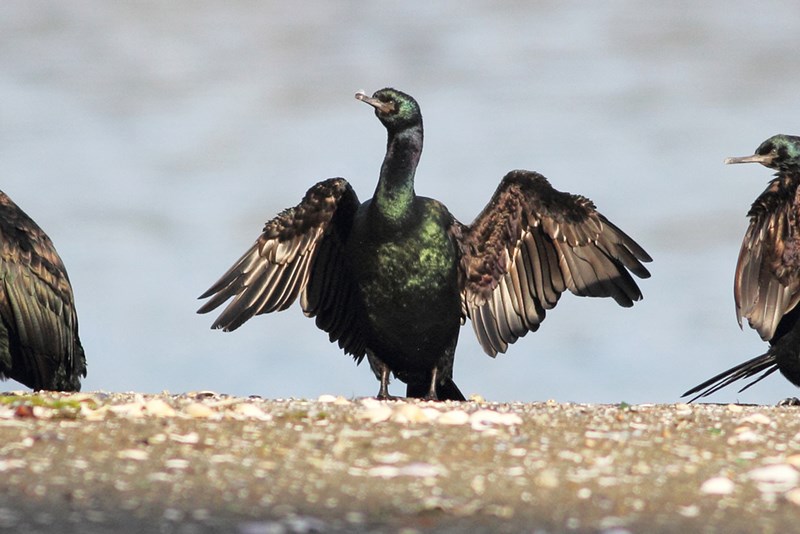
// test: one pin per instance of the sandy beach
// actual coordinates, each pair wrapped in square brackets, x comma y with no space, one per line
[204,462]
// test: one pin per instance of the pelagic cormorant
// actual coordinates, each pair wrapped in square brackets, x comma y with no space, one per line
[766,285]
[39,344]
[394,278]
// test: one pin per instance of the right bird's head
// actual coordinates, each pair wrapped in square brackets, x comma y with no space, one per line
[780,152]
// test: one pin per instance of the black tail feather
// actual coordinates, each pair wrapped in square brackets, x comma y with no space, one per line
[766,362]
[447,390]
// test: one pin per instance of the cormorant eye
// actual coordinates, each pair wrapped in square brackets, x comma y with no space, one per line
[391,106]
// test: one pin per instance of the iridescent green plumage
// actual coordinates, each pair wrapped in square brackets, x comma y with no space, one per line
[395,277]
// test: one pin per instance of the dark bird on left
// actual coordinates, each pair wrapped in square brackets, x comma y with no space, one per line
[395,277]
[39,344]
[767,280]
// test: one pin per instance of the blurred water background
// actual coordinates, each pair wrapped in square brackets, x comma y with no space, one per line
[153,139]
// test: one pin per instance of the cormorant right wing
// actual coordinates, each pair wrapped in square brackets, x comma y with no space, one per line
[531,243]
[300,252]
[767,279]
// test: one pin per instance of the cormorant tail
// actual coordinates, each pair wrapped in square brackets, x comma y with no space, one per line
[447,390]
[767,362]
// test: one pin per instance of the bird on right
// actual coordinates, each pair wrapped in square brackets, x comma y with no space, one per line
[766,286]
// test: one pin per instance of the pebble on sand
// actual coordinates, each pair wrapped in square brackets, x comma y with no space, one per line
[718,486]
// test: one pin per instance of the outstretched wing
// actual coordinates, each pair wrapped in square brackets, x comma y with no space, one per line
[39,345]
[767,279]
[300,252]
[531,243]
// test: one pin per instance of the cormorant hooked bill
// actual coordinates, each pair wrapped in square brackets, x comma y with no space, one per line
[39,344]
[767,281]
[395,277]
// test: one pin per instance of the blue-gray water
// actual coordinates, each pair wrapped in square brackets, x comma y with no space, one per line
[152,140]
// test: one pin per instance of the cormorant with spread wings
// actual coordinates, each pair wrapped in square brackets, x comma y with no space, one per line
[395,277]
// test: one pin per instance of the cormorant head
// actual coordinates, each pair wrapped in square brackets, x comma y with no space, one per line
[395,109]
[780,152]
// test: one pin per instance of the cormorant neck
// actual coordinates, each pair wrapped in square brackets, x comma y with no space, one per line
[394,196]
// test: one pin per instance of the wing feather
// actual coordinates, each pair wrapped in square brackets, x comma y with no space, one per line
[500,312]
[524,272]
[529,245]
[767,279]
[40,346]
[300,253]
[490,335]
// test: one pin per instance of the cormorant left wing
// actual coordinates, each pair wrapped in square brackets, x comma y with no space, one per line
[528,245]
[767,279]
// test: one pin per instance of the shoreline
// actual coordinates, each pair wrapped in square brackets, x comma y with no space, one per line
[204,462]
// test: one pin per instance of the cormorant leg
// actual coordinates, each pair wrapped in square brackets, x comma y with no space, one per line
[383,392]
[432,396]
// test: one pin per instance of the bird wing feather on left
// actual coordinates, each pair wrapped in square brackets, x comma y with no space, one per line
[299,253]
[37,299]
[528,246]
[767,279]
